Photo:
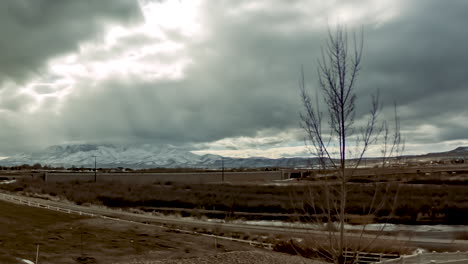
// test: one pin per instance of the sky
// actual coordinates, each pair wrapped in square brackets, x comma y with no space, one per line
[221,76]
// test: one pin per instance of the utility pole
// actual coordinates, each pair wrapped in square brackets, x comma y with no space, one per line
[222,165]
[95,170]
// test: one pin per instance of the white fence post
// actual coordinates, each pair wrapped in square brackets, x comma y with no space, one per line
[37,254]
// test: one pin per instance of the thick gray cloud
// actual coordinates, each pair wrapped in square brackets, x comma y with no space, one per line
[35,30]
[422,53]
[242,75]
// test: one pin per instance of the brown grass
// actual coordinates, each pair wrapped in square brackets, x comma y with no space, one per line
[416,203]
[67,238]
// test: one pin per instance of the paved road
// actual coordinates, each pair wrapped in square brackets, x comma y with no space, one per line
[184,223]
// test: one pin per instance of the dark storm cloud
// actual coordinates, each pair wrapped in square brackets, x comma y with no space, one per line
[421,54]
[241,82]
[13,102]
[243,76]
[419,61]
[165,112]
[35,30]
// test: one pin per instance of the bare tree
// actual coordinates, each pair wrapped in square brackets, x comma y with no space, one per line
[337,139]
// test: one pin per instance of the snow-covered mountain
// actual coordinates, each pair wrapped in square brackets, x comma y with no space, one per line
[151,156]
[141,156]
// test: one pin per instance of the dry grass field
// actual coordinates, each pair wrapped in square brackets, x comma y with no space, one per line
[73,239]
[419,201]
[65,238]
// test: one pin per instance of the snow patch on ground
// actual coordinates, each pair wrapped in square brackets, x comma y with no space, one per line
[369,227]
[312,226]
[7,182]
[416,228]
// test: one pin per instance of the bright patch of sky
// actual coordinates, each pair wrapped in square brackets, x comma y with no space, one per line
[109,56]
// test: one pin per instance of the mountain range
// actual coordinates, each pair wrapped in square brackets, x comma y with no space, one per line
[139,156]
[151,156]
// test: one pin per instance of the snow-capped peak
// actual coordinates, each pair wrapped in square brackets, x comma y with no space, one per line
[112,156]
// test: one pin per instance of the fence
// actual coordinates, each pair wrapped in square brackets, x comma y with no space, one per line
[14,199]
[365,257]
[434,257]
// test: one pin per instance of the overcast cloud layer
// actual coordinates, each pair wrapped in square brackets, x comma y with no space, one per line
[220,76]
